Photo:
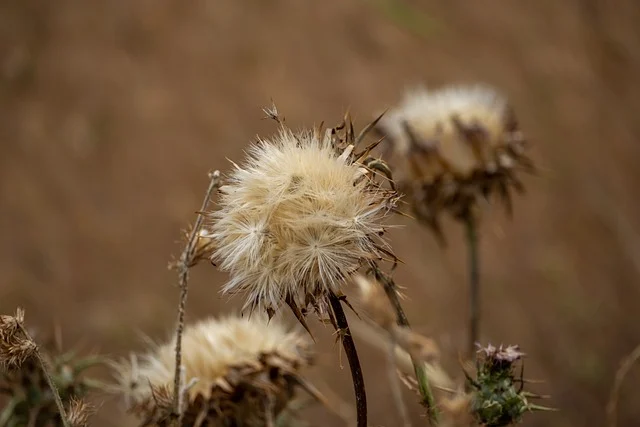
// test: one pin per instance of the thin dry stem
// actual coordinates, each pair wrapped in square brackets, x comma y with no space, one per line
[183,278]
[623,371]
[47,375]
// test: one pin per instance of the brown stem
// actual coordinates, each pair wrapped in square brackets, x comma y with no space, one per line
[352,355]
[183,280]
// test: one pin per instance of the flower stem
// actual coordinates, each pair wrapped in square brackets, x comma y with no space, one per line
[474,283]
[352,355]
[183,280]
[45,371]
[428,399]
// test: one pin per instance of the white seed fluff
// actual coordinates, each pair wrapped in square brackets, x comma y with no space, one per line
[430,114]
[210,349]
[295,220]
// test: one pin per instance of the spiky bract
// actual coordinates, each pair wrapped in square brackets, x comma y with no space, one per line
[498,395]
[236,370]
[453,146]
[299,216]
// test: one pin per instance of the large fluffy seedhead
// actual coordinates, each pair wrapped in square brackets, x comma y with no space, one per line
[300,215]
[235,369]
[453,145]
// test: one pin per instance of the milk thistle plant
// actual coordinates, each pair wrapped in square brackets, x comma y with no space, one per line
[454,148]
[296,219]
[303,216]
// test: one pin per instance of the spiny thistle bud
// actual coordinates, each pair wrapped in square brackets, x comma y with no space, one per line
[498,397]
[237,371]
[302,214]
[453,146]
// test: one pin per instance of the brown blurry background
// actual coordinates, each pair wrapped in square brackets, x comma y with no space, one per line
[113,111]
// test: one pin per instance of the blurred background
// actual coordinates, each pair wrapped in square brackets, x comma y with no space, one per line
[113,111]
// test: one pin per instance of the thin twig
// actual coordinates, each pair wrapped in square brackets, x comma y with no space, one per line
[421,374]
[623,371]
[474,284]
[45,370]
[352,355]
[183,278]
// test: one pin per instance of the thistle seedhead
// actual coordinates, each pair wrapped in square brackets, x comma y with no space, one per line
[236,370]
[23,381]
[454,146]
[498,397]
[15,345]
[299,216]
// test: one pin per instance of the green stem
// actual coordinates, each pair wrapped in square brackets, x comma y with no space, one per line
[471,229]
[421,373]
[47,375]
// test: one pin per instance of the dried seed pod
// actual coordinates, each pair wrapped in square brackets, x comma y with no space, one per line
[376,303]
[452,147]
[300,215]
[236,370]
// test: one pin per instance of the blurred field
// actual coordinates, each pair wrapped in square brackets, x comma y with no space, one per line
[112,112]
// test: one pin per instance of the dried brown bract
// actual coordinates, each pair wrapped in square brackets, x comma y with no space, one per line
[376,303]
[15,345]
[79,412]
[236,370]
[454,146]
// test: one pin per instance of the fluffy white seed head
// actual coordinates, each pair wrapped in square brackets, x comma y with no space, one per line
[211,350]
[459,129]
[453,148]
[295,219]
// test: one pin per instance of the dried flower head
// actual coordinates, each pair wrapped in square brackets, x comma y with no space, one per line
[234,368]
[453,146]
[26,387]
[15,345]
[298,217]
[79,412]
[376,303]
